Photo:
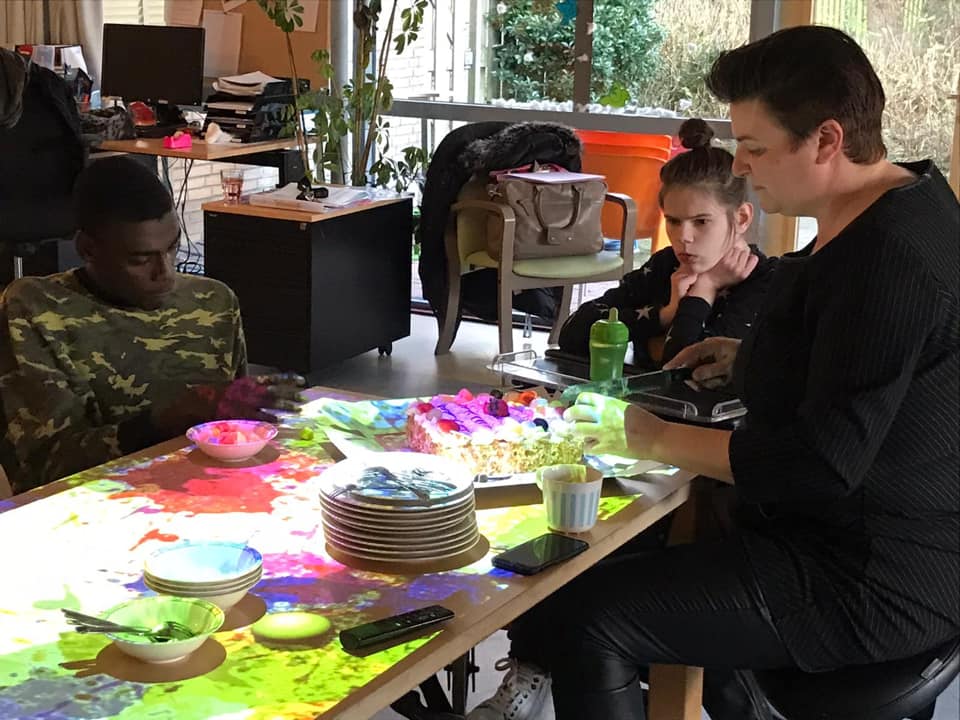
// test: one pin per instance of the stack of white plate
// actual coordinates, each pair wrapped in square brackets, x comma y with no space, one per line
[218,572]
[398,507]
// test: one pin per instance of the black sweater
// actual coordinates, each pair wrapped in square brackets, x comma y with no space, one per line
[643,292]
[848,466]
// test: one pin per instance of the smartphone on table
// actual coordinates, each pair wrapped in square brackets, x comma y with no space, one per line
[535,555]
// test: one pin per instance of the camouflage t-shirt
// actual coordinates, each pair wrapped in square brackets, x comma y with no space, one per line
[74,367]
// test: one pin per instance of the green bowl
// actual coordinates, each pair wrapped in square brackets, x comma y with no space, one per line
[203,618]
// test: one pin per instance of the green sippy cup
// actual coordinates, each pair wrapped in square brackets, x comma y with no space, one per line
[608,348]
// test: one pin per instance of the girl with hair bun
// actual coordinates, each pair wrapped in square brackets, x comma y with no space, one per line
[709,282]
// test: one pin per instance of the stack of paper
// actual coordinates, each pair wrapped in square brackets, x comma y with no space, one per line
[553,178]
[235,106]
[343,196]
[249,84]
[286,197]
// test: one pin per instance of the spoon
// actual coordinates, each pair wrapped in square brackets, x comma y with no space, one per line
[161,633]
[169,630]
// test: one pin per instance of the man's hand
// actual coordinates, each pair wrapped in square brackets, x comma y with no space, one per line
[614,427]
[247,398]
[732,269]
[681,281]
[712,361]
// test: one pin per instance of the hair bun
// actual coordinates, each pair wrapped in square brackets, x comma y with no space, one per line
[695,133]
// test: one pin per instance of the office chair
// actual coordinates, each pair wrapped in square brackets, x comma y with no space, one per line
[894,690]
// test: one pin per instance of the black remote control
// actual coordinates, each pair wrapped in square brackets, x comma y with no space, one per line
[389,628]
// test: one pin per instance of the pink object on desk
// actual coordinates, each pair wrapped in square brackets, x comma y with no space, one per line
[178,141]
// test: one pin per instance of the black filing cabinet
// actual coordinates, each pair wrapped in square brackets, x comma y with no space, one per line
[314,289]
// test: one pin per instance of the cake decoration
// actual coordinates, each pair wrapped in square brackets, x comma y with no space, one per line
[495,432]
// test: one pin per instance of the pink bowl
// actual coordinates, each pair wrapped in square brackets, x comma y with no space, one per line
[232,440]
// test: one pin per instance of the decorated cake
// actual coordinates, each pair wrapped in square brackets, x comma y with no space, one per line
[493,433]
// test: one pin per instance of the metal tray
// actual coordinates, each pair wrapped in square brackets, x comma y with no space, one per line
[679,401]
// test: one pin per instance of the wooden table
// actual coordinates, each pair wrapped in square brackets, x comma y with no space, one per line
[281,154]
[201,150]
[81,543]
[314,288]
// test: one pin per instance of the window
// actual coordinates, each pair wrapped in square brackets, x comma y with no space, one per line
[645,53]
[133,12]
[915,49]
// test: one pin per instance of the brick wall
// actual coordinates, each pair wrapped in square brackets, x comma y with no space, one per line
[203,185]
[413,72]
[434,65]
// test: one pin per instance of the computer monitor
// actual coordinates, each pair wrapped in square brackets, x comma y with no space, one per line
[153,63]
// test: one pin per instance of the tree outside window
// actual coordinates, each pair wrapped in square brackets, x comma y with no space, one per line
[534,58]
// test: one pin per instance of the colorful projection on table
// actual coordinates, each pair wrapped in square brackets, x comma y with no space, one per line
[277,655]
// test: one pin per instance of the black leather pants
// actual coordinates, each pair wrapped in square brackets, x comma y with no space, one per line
[690,605]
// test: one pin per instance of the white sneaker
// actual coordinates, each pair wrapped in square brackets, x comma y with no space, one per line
[523,694]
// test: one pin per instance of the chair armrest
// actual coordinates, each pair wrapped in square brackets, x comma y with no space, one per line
[505,211]
[508,223]
[628,228]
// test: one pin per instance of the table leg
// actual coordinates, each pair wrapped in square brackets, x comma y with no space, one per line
[433,694]
[459,669]
[676,691]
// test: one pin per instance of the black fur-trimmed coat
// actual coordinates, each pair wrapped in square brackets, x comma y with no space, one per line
[41,154]
[481,148]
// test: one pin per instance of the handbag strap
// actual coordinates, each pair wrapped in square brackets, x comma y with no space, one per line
[577,208]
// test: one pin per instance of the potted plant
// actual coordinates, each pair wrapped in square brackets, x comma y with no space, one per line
[356,108]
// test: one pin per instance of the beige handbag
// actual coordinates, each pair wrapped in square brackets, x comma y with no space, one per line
[553,220]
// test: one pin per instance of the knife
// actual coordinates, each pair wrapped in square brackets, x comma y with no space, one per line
[658,380]
[621,387]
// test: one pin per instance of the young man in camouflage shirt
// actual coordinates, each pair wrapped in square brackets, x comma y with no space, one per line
[124,352]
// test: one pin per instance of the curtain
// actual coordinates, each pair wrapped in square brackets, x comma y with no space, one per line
[21,21]
[79,22]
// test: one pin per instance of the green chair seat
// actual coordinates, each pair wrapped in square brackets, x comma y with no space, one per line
[557,268]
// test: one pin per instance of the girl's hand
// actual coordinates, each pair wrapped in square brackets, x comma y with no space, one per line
[680,283]
[732,269]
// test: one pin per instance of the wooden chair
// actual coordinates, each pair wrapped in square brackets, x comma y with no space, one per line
[472,217]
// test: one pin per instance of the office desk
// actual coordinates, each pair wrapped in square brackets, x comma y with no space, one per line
[314,288]
[281,154]
[81,543]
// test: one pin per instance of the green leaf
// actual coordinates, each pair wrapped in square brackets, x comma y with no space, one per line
[618,96]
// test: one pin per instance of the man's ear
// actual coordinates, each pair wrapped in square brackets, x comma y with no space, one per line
[829,141]
[86,246]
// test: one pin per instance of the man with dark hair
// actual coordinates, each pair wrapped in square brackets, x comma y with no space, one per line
[123,352]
